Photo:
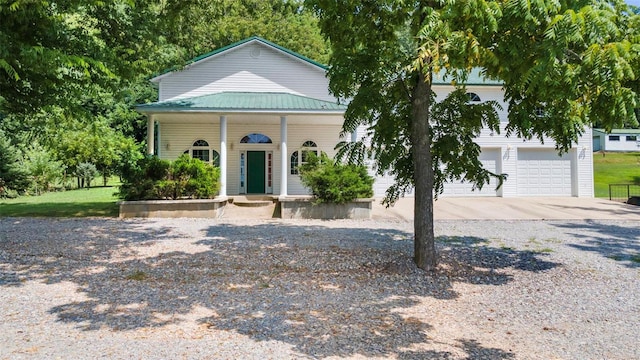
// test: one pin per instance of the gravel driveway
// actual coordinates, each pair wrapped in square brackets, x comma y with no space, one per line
[274,289]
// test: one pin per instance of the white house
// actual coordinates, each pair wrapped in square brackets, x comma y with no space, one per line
[253,108]
[617,140]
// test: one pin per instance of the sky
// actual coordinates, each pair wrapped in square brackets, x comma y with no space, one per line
[634,2]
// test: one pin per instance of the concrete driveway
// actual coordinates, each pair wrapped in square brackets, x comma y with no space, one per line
[521,208]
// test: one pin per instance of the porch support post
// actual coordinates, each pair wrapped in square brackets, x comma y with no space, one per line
[150,134]
[283,156]
[354,136]
[223,156]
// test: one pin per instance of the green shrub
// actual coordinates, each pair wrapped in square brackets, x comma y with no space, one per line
[44,170]
[195,178]
[334,182]
[140,178]
[153,179]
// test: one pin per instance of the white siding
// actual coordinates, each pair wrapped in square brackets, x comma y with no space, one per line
[176,138]
[238,69]
[326,137]
[584,166]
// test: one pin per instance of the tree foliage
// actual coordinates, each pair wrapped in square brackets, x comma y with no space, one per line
[50,51]
[200,26]
[581,67]
[42,168]
[13,177]
[72,71]
[572,59]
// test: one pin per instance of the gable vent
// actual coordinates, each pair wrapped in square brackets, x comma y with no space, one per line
[255,52]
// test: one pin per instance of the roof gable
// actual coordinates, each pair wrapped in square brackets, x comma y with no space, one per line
[236,45]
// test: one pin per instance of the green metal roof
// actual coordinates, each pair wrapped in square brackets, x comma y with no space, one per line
[241,42]
[619,131]
[245,102]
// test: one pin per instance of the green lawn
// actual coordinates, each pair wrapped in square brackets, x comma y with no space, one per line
[615,168]
[98,201]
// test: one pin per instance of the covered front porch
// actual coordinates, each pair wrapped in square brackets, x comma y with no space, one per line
[257,139]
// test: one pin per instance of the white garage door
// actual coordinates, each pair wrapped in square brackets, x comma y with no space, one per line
[543,173]
[382,183]
[490,159]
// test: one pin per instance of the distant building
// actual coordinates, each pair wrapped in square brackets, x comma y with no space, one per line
[617,140]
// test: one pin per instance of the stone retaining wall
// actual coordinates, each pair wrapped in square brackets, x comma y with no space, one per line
[297,208]
[196,208]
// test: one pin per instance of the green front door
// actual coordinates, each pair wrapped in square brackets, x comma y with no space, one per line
[255,172]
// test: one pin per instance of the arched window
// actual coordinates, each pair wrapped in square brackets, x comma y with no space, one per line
[473,97]
[201,150]
[300,156]
[255,138]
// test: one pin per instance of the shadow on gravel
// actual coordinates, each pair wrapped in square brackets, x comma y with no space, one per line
[620,243]
[326,291]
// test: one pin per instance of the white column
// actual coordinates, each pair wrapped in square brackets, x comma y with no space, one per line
[150,134]
[223,156]
[284,164]
[354,135]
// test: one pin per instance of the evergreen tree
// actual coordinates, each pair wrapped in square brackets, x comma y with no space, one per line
[13,177]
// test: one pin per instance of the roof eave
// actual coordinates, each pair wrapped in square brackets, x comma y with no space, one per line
[151,110]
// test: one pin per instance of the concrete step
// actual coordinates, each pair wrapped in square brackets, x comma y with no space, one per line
[252,200]
[233,211]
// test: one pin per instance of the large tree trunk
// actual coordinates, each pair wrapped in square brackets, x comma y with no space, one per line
[424,242]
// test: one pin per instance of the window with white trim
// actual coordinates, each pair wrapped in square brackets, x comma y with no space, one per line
[255,138]
[473,97]
[614,137]
[631,138]
[300,156]
[201,150]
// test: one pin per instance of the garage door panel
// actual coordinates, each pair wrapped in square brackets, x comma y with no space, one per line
[543,173]
[490,161]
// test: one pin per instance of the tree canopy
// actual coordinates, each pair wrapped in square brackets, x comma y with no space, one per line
[72,71]
[199,26]
[563,64]
[51,50]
